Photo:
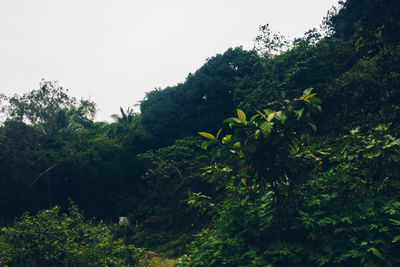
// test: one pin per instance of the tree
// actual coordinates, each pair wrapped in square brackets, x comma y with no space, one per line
[42,107]
[201,102]
[290,200]
[125,117]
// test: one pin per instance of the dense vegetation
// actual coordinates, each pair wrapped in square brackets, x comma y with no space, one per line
[311,178]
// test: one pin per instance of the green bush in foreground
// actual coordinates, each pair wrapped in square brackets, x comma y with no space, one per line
[52,238]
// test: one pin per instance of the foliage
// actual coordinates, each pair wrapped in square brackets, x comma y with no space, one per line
[47,106]
[276,191]
[54,238]
[263,146]
[329,203]
[125,117]
[269,43]
[201,102]
[171,174]
[93,163]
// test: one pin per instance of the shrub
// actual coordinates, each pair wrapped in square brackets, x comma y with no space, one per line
[53,238]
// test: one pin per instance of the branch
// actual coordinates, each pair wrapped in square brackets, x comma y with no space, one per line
[43,173]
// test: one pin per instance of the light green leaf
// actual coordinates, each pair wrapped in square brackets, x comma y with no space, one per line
[271,116]
[207,135]
[280,116]
[307,92]
[266,128]
[259,112]
[219,132]
[268,111]
[309,96]
[232,120]
[226,139]
[254,117]
[241,115]
[354,131]
[396,238]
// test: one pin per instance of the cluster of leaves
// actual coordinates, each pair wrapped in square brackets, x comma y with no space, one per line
[53,238]
[306,203]
[171,174]
[264,146]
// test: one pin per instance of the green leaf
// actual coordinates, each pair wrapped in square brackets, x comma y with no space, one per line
[207,135]
[394,143]
[313,126]
[204,145]
[354,131]
[309,96]
[271,116]
[299,112]
[219,132]
[280,116]
[226,139]
[241,115]
[268,111]
[396,238]
[294,147]
[375,252]
[307,92]
[232,120]
[254,117]
[266,128]
[395,222]
[259,112]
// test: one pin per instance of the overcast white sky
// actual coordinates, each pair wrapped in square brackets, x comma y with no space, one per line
[113,51]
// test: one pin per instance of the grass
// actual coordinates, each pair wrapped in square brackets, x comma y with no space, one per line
[162,262]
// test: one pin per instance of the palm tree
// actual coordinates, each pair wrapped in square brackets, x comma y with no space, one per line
[125,117]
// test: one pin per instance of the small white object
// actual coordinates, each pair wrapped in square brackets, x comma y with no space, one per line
[123,221]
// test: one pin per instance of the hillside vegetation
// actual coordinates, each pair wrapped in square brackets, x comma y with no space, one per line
[285,155]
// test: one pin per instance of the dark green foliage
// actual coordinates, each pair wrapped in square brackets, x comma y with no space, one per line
[171,174]
[52,238]
[355,71]
[201,102]
[334,203]
[93,163]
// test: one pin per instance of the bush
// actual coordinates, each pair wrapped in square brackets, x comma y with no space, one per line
[53,238]
[309,202]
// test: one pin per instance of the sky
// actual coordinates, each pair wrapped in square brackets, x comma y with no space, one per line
[113,51]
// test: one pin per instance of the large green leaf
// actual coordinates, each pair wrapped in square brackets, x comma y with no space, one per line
[207,135]
[241,115]
[232,120]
